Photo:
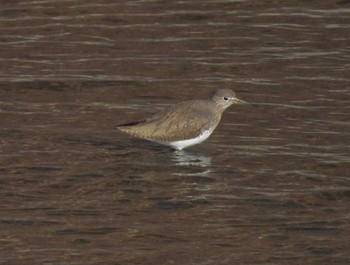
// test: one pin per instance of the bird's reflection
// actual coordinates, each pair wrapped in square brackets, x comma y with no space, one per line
[200,162]
[184,158]
[180,162]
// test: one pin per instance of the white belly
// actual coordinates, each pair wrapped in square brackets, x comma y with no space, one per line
[186,143]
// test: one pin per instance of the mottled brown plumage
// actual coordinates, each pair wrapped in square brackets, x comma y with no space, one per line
[179,124]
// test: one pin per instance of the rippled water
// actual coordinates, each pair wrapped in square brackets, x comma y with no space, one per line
[270,186]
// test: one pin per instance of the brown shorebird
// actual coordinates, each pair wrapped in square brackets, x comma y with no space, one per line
[184,124]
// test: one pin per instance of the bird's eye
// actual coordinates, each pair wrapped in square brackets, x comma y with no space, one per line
[225,98]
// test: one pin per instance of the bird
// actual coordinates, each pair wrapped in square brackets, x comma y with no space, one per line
[184,124]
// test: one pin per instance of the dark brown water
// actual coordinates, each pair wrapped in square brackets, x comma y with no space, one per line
[270,186]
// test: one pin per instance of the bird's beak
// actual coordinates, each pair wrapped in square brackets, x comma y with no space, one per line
[239,101]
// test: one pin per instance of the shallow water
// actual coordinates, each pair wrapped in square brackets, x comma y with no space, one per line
[270,186]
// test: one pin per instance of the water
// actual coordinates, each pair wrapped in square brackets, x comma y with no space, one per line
[270,186]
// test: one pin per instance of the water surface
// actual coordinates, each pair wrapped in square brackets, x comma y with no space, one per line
[270,186]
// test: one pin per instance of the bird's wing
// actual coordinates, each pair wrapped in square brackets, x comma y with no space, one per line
[180,122]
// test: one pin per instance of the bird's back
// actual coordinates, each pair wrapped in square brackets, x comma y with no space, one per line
[179,122]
